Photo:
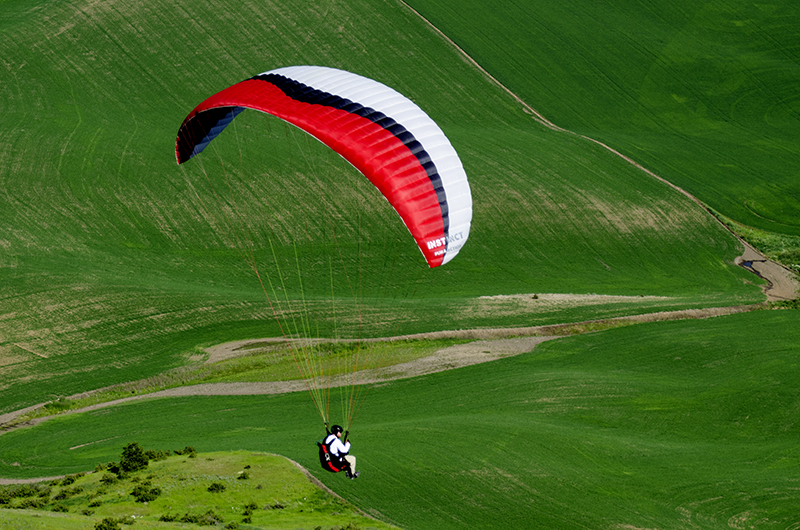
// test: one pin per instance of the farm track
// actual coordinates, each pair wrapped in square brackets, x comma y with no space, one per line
[487,345]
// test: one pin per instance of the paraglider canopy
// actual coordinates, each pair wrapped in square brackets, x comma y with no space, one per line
[388,138]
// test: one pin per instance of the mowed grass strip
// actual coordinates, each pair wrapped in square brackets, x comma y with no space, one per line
[652,426]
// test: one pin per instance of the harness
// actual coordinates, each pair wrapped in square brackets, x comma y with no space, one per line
[329,461]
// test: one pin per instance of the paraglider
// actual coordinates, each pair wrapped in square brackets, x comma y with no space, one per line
[384,135]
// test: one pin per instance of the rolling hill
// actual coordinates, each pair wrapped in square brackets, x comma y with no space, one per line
[114,267]
[701,93]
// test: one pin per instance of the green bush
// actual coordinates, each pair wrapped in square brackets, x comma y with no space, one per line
[787,304]
[69,479]
[66,493]
[217,487]
[25,490]
[58,405]
[207,519]
[187,451]
[32,504]
[107,524]
[144,493]
[115,468]
[133,458]
[156,455]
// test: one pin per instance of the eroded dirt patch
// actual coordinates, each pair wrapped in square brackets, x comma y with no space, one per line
[783,284]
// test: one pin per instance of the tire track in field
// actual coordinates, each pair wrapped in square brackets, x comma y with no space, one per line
[782,284]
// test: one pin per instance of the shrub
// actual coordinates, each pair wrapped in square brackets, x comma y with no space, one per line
[66,493]
[133,458]
[207,519]
[144,493]
[216,487]
[787,304]
[69,479]
[242,475]
[188,451]
[115,468]
[33,504]
[156,455]
[60,508]
[107,524]
[108,479]
[25,490]
[58,405]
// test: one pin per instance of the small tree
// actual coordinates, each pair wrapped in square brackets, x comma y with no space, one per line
[133,458]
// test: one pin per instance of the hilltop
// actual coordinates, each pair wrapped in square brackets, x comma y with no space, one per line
[185,489]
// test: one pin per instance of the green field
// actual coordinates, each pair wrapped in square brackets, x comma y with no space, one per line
[117,265]
[663,425]
[702,93]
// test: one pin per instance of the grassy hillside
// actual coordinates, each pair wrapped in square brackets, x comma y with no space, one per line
[238,489]
[663,425]
[114,267]
[702,93]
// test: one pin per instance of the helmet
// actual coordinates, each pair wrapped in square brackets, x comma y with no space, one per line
[336,429]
